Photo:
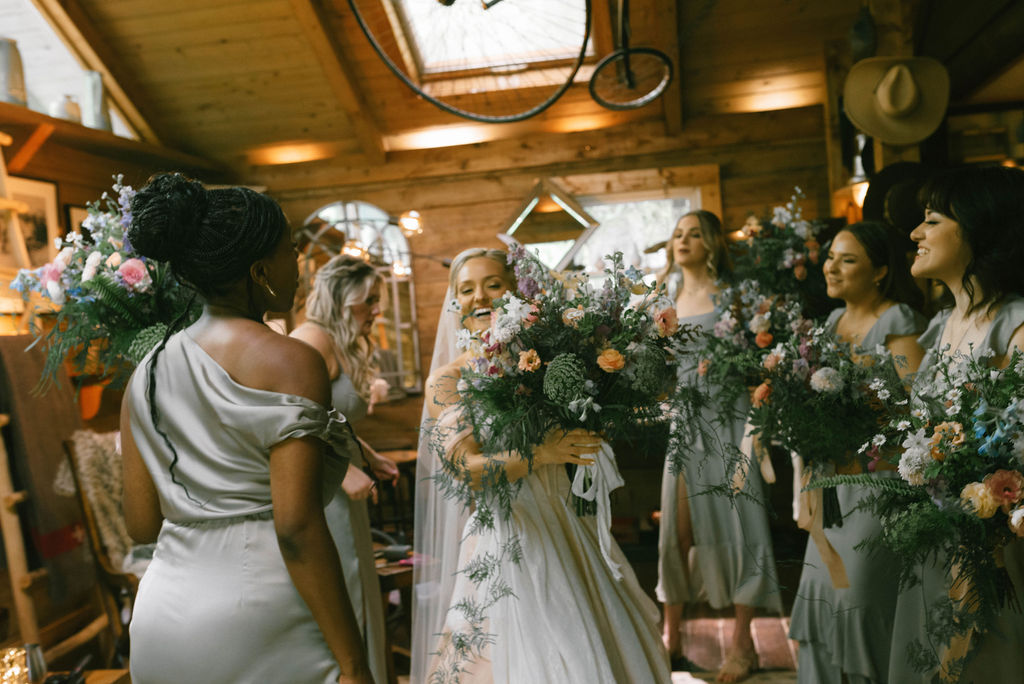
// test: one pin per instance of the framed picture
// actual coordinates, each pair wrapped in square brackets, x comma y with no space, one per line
[76,215]
[40,226]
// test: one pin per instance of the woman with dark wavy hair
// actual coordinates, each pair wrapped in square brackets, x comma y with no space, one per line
[844,634]
[231,452]
[971,240]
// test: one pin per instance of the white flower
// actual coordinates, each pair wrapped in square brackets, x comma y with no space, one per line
[802,229]
[916,456]
[461,385]
[92,262]
[781,216]
[453,306]
[504,328]
[903,425]
[64,258]
[878,440]
[877,384]
[516,308]
[883,394]
[1018,446]
[919,413]
[463,339]
[953,409]
[55,292]
[826,380]
[760,323]
[1017,520]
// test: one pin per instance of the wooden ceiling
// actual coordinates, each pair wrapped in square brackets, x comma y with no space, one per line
[248,82]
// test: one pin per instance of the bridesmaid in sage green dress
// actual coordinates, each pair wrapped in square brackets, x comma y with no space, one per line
[844,634]
[340,311]
[710,548]
[231,452]
[972,240]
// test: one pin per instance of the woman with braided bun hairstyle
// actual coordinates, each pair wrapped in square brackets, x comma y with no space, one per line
[340,311]
[231,451]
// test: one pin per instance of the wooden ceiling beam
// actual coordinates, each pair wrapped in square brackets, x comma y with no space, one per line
[79,33]
[340,75]
[666,38]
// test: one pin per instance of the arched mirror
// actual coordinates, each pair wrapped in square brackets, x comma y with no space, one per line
[366,231]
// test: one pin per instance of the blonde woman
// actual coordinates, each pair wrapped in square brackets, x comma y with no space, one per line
[710,548]
[340,310]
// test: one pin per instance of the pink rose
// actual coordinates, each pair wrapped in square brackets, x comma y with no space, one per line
[667,321]
[771,361]
[1006,486]
[50,273]
[134,274]
[531,317]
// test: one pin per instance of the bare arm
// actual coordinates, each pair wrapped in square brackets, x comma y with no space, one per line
[140,501]
[1016,343]
[296,472]
[907,347]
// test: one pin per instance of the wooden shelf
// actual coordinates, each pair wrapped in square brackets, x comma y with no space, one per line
[14,118]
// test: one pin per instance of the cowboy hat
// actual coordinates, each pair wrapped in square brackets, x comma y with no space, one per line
[898,100]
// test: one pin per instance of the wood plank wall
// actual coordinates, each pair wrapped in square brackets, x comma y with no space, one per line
[466,194]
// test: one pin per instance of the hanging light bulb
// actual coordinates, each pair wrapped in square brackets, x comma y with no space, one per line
[400,269]
[410,223]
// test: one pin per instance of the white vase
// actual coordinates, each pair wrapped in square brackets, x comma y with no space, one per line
[95,113]
[12,76]
[66,108]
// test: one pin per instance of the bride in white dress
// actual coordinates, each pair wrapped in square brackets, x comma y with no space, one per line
[554,599]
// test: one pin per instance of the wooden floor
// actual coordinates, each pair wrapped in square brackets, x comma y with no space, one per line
[706,640]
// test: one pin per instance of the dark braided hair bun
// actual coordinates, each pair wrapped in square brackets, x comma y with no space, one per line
[210,238]
[165,215]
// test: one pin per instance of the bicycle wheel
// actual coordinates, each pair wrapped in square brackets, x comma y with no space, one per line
[495,62]
[620,84]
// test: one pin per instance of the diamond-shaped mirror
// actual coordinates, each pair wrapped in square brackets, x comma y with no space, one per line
[551,223]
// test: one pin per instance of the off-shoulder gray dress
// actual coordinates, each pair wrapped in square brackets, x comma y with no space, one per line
[847,632]
[997,656]
[731,560]
[217,604]
[349,522]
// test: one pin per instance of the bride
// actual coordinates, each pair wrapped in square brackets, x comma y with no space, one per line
[552,598]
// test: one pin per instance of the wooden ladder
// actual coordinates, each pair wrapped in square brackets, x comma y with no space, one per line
[9,210]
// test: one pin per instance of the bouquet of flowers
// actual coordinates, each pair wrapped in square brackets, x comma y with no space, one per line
[782,253]
[825,401]
[562,354]
[114,305]
[752,324]
[960,496]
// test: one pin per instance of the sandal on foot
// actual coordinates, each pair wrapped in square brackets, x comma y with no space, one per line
[738,666]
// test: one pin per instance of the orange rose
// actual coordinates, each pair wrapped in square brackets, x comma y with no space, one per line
[529,361]
[763,339]
[955,433]
[667,322]
[760,394]
[800,272]
[610,360]
[702,367]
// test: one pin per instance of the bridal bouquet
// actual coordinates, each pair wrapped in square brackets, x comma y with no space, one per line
[960,497]
[562,353]
[113,303]
[826,401]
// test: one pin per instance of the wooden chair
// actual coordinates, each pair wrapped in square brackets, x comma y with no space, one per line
[118,589]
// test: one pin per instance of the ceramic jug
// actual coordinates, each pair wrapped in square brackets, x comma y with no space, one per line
[12,76]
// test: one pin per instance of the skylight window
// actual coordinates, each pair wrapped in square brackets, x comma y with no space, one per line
[508,37]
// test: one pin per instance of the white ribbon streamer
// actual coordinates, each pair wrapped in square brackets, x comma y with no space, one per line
[604,479]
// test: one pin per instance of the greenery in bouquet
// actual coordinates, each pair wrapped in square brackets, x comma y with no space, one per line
[752,323]
[781,252]
[113,304]
[960,497]
[826,400]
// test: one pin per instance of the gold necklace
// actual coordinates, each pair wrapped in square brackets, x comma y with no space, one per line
[970,323]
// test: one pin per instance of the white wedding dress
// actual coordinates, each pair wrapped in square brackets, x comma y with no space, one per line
[576,613]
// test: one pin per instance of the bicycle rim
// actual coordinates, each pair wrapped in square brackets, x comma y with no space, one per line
[498,65]
[651,72]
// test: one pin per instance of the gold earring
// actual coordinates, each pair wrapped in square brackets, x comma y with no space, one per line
[270,289]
